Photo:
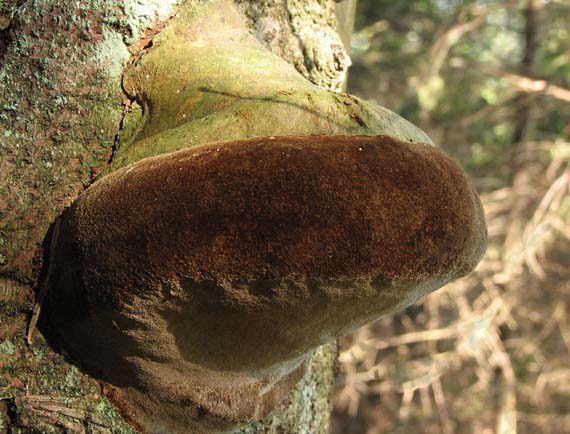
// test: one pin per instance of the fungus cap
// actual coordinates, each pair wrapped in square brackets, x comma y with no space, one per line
[204,278]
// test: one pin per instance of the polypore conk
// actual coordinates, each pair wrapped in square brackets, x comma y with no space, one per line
[202,279]
[196,283]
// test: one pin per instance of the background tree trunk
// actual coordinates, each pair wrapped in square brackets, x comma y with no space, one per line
[61,117]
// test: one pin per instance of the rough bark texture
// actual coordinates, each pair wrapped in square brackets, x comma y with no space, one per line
[61,110]
[305,33]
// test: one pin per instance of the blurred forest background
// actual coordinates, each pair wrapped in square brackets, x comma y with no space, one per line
[489,81]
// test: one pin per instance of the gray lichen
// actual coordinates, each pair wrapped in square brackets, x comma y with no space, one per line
[60,108]
[308,408]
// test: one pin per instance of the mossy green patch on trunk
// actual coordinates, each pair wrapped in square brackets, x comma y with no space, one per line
[195,88]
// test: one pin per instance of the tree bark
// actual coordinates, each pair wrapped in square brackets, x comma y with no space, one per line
[63,114]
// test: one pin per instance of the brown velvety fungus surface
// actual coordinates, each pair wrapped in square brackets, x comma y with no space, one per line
[196,283]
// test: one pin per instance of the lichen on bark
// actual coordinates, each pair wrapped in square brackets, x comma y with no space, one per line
[60,109]
[307,409]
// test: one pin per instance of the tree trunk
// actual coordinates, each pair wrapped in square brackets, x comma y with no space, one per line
[63,114]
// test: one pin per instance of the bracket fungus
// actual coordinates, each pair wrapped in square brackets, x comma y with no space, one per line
[196,283]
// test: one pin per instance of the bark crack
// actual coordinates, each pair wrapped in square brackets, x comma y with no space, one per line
[138,49]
